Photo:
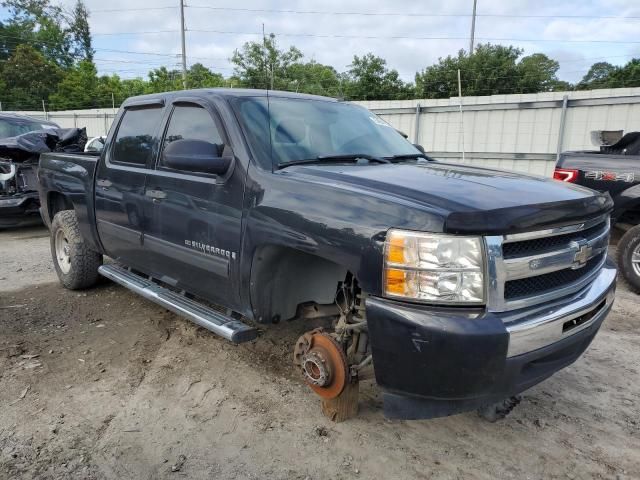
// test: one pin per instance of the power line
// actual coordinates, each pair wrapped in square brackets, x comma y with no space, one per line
[403,37]
[152,32]
[110,10]
[398,14]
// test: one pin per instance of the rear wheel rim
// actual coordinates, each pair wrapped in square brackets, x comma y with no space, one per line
[635,260]
[63,251]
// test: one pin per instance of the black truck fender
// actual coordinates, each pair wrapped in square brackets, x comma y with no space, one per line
[627,203]
[65,183]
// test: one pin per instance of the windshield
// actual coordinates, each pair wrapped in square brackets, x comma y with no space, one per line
[288,130]
[10,128]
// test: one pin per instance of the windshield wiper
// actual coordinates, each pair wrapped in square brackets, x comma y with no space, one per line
[408,156]
[335,158]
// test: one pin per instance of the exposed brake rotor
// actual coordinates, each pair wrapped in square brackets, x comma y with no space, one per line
[322,362]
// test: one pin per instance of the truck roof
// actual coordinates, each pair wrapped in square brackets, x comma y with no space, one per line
[19,118]
[225,92]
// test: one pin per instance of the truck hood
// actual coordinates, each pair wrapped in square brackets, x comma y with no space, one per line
[471,199]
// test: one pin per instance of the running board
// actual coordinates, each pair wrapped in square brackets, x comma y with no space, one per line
[220,324]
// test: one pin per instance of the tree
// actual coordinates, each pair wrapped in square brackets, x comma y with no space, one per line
[605,75]
[164,80]
[538,73]
[490,70]
[628,75]
[199,76]
[44,27]
[28,78]
[263,65]
[598,76]
[314,78]
[77,89]
[368,78]
[79,28]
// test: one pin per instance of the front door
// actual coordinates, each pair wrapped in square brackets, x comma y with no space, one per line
[120,181]
[193,232]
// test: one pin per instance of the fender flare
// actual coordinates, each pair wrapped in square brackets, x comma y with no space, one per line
[626,200]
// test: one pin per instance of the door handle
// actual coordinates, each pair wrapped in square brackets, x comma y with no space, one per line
[104,184]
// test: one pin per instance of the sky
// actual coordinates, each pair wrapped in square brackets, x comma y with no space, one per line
[410,35]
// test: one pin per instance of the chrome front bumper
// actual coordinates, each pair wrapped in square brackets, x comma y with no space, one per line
[533,328]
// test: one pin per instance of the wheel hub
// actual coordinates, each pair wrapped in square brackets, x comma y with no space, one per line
[63,251]
[322,362]
[315,369]
[635,260]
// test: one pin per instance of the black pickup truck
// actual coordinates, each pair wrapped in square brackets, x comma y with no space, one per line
[461,286]
[614,169]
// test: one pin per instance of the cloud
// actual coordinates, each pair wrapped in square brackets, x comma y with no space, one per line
[328,38]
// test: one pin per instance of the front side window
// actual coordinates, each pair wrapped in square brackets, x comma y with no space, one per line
[136,135]
[288,129]
[190,122]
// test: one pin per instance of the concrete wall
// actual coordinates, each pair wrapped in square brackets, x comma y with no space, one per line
[512,132]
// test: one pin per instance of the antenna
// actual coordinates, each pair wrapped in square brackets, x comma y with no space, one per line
[461,115]
[266,61]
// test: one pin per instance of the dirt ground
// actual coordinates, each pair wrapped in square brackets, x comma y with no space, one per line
[102,384]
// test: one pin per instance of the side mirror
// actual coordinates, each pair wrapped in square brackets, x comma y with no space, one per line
[419,147]
[197,156]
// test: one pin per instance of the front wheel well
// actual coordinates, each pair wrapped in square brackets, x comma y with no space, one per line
[283,278]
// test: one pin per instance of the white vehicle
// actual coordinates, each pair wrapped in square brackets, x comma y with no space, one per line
[95,144]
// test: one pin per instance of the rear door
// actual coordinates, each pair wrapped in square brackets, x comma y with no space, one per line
[120,201]
[193,232]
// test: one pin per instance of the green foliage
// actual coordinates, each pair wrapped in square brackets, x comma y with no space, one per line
[605,75]
[77,89]
[264,65]
[61,36]
[490,70]
[368,78]
[314,78]
[199,76]
[79,29]
[164,80]
[28,77]
[46,53]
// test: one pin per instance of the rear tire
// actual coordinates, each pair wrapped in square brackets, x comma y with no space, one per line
[629,257]
[75,263]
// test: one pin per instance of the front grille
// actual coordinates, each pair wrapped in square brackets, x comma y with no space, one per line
[525,287]
[547,244]
[532,268]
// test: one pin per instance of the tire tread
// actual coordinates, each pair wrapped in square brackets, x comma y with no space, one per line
[84,261]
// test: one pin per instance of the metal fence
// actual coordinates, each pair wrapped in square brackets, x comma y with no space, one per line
[511,132]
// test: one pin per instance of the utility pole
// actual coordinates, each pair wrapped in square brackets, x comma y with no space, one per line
[473,27]
[184,50]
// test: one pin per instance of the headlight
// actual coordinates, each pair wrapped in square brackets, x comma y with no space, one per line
[434,268]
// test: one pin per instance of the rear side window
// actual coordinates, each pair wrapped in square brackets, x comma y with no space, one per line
[190,122]
[136,135]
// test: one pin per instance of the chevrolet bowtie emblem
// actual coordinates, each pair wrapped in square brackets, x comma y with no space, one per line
[582,256]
